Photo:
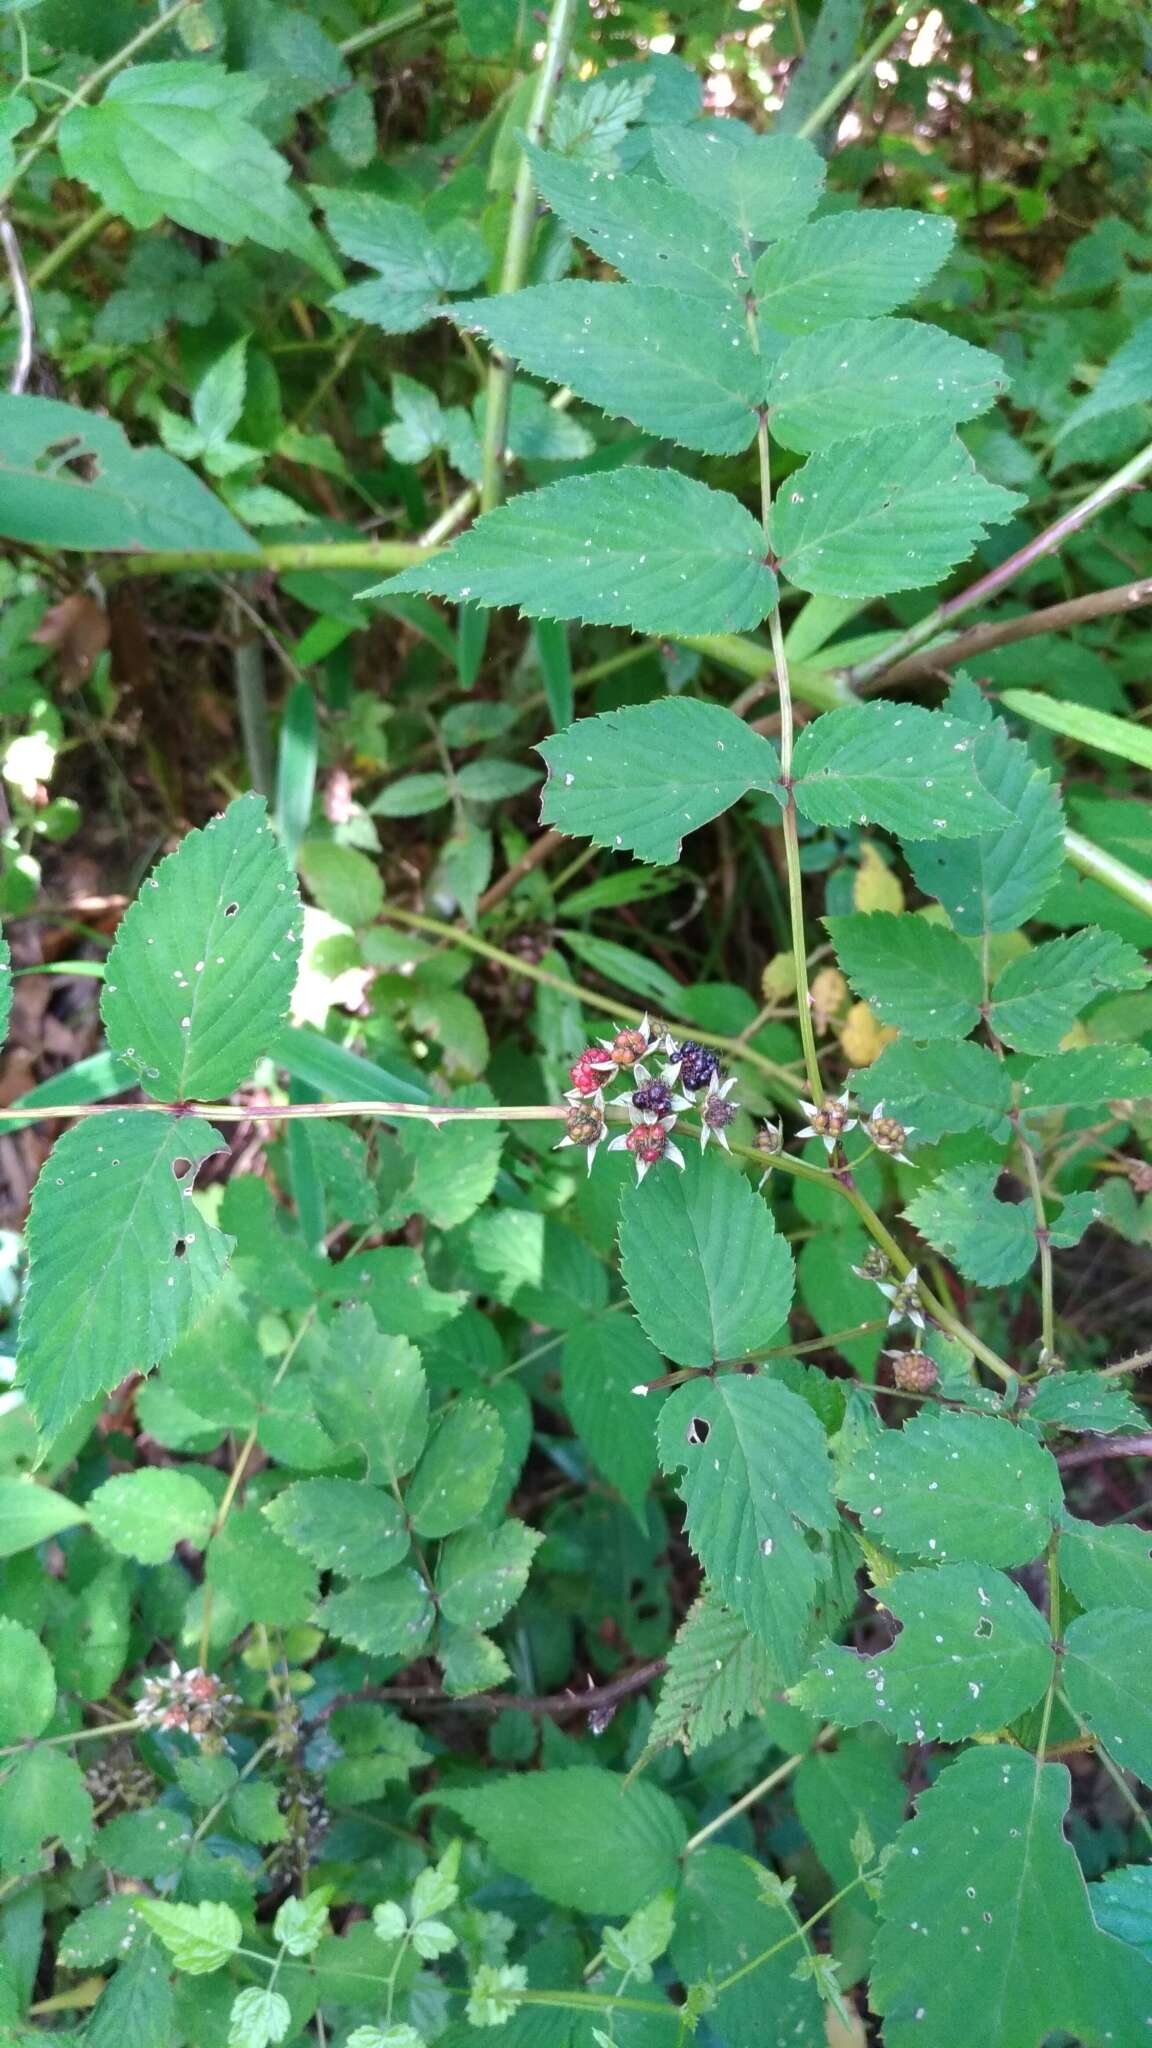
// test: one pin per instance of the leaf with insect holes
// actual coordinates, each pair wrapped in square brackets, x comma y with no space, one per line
[955,1487]
[849,265]
[646,548]
[972,1654]
[766,185]
[991,1241]
[71,479]
[175,141]
[915,975]
[885,512]
[199,980]
[649,232]
[995,882]
[1040,992]
[1107,1657]
[756,1475]
[987,1931]
[719,1674]
[734,1272]
[644,776]
[146,1514]
[671,365]
[120,1261]
[863,375]
[895,765]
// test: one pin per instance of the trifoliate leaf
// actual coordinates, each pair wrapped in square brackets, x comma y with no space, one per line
[649,232]
[601,1365]
[388,1617]
[938,1088]
[455,1477]
[948,1487]
[416,263]
[994,883]
[972,1654]
[766,185]
[200,978]
[175,141]
[647,548]
[1105,1676]
[72,480]
[1038,994]
[42,1799]
[200,1938]
[864,375]
[1106,1566]
[121,1262]
[988,1933]
[643,776]
[849,265]
[886,512]
[146,1514]
[734,1273]
[27,1683]
[895,765]
[579,1837]
[918,976]
[482,1573]
[341,1525]
[756,1475]
[672,365]
[718,1675]
[725,1917]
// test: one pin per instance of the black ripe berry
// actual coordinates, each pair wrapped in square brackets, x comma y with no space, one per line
[653,1098]
[698,1063]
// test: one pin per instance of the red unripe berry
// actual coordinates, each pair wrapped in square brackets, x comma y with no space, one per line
[647,1142]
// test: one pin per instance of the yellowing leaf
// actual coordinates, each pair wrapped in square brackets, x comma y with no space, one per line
[875,887]
[863,1037]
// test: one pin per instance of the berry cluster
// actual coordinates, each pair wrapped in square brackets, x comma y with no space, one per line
[194,1702]
[654,1099]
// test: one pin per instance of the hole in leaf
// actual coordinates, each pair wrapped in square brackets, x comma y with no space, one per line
[983,1626]
[181,1168]
[699,1431]
[180,1247]
[230,909]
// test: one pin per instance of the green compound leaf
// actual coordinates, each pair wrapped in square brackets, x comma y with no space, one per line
[915,975]
[996,882]
[972,1654]
[938,1088]
[1082,1401]
[885,512]
[650,233]
[199,1938]
[734,1273]
[766,185]
[201,975]
[1038,995]
[1106,1567]
[27,1683]
[482,1573]
[455,1477]
[174,141]
[341,1525]
[602,1364]
[120,1261]
[416,263]
[955,1487]
[580,1837]
[671,365]
[646,548]
[718,1675]
[987,1929]
[849,265]
[896,765]
[865,375]
[991,1241]
[756,1474]
[388,1617]
[43,1798]
[1107,1657]
[642,777]
[725,1917]
[71,479]
[146,1514]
